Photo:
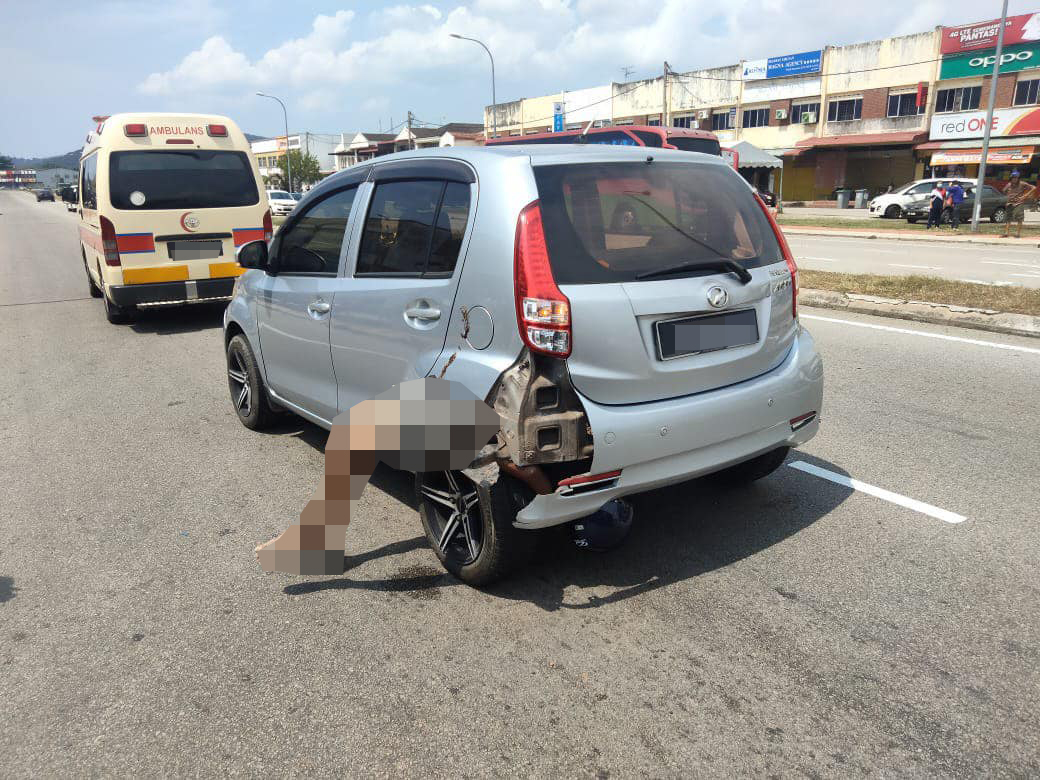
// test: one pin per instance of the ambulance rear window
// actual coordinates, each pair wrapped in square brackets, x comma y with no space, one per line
[181,179]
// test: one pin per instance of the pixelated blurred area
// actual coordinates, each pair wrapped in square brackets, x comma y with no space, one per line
[427,424]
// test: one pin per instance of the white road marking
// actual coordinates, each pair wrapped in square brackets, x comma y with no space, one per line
[824,259]
[1028,276]
[943,336]
[1005,262]
[988,284]
[886,495]
[926,267]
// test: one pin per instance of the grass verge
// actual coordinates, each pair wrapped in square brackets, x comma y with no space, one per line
[1017,300]
[879,225]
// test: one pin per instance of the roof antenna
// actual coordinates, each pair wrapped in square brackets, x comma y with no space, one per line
[585,132]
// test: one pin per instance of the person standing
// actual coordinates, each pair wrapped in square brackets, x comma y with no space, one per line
[1018,192]
[936,200]
[955,197]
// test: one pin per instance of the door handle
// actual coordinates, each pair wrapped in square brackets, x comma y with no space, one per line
[422,313]
[319,307]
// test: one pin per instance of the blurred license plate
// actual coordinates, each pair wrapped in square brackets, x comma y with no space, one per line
[691,335]
[195,250]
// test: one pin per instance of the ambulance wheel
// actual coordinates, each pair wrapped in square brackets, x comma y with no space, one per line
[470,525]
[95,291]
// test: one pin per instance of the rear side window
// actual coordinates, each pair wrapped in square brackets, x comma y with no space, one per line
[608,222]
[183,179]
[312,243]
[414,228]
[705,145]
[88,182]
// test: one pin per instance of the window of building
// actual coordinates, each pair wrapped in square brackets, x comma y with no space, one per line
[684,121]
[798,111]
[1026,92]
[414,228]
[723,121]
[623,122]
[904,104]
[514,132]
[654,121]
[957,99]
[313,241]
[755,117]
[845,109]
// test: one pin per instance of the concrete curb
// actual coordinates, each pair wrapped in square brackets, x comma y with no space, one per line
[922,311]
[898,235]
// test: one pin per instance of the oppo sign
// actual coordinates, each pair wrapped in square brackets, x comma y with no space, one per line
[1024,56]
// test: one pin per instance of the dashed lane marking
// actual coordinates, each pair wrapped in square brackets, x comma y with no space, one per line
[886,495]
[925,334]
[925,267]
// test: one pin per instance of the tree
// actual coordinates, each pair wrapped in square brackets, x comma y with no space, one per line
[305,168]
[6,163]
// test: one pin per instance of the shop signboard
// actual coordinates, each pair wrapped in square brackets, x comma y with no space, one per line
[787,65]
[1017,156]
[1014,58]
[1007,123]
[557,117]
[983,35]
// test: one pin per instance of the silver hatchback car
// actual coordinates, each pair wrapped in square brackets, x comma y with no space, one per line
[630,314]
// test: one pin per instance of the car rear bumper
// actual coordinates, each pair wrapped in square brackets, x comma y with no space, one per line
[665,442]
[173,293]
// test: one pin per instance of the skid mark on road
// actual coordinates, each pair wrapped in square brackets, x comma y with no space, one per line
[942,336]
[886,495]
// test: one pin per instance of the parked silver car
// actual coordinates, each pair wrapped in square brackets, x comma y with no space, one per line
[630,314]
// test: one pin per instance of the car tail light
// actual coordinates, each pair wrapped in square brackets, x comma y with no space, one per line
[108,241]
[543,313]
[135,131]
[217,131]
[268,226]
[786,251]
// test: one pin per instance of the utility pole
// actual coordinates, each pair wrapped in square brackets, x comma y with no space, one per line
[989,121]
[411,145]
[664,95]
[626,69]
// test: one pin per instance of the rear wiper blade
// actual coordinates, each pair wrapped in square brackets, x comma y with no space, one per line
[718,263]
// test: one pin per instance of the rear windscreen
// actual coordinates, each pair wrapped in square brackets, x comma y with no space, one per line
[182,179]
[608,222]
[706,145]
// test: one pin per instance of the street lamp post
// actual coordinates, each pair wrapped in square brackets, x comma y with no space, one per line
[977,210]
[285,114]
[494,101]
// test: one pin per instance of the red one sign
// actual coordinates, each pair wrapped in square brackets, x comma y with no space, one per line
[983,35]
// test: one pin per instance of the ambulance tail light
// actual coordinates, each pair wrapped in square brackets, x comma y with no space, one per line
[268,226]
[108,241]
[135,130]
[217,131]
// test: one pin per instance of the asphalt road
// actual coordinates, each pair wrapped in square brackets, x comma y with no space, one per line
[978,263]
[797,626]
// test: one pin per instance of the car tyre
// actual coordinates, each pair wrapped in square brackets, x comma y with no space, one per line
[95,291]
[754,469]
[481,545]
[893,212]
[246,385]
[999,215]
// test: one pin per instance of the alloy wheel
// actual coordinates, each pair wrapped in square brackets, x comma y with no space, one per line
[238,381]
[458,526]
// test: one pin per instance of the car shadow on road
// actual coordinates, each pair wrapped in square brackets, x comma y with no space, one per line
[680,532]
[179,319]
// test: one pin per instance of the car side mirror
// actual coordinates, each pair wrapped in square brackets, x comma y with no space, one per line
[253,255]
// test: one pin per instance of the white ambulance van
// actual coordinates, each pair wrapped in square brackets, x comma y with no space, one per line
[164,200]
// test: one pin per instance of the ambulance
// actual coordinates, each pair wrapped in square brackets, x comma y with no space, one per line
[164,200]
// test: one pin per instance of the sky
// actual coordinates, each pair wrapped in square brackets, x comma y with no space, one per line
[344,67]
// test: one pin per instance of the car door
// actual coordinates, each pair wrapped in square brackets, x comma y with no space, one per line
[295,303]
[389,320]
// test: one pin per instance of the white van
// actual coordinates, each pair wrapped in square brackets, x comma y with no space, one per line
[164,201]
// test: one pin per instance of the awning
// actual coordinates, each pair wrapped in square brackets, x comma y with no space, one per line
[872,139]
[750,156]
[1018,155]
[976,143]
